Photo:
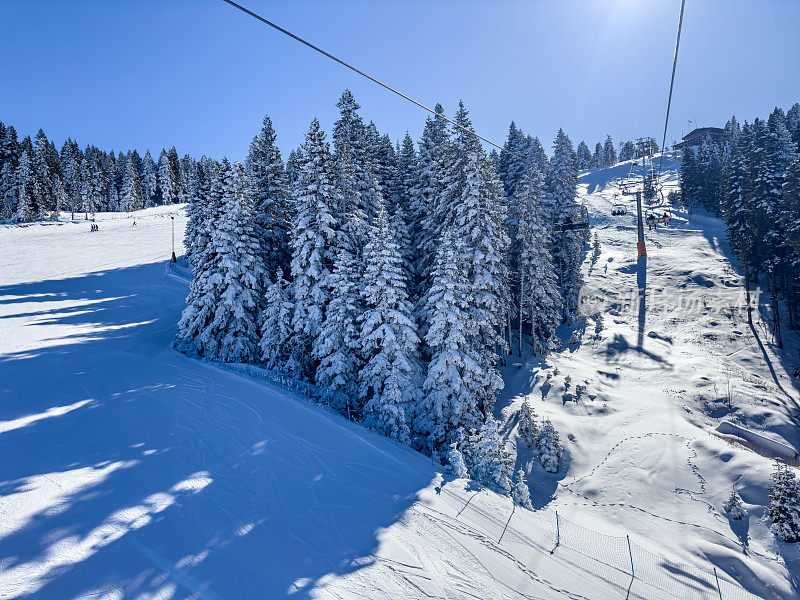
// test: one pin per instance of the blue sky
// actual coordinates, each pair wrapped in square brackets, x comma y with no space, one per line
[200,75]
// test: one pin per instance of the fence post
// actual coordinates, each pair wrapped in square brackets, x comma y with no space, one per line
[558,532]
[719,591]
[627,537]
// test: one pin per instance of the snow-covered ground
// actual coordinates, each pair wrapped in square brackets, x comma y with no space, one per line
[643,457]
[131,471]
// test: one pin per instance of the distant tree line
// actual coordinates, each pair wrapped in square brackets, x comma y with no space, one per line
[395,277]
[37,182]
[751,177]
[606,155]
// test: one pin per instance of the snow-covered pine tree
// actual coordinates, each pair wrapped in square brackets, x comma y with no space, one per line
[270,191]
[88,192]
[43,179]
[278,351]
[220,321]
[132,189]
[474,206]
[584,156]
[390,378]
[237,244]
[167,180]
[688,177]
[455,462]
[734,507]
[609,153]
[558,206]
[338,345]
[522,494]
[494,462]
[23,185]
[598,158]
[453,384]
[71,157]
[149,180]
[626,151]
[549,447]
[435,155]
[791,199]
[8,192]
[709,164]
[406,211]
[783,508]
[539,301]
[195,333]
[384,165]
[352,146]
[736,202]
[197,235]
[313,239]
[793,123]
[59,197]
[528,428]
[512,162]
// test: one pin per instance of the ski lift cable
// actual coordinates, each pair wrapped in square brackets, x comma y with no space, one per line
[363,74]
[375,80]
[671,85]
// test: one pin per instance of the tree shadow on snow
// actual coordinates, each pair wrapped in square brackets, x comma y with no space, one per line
[137,470]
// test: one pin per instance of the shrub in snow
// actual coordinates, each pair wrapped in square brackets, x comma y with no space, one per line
[495,466]
[783,508]
[468,443]
[528,428]
[734,507]
[598,323]
[456,464]
[522,494]
[549,447]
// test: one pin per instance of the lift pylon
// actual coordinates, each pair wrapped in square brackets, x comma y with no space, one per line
[641,250]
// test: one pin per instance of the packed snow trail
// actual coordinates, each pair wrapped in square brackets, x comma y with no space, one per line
[643,456]
[131,471]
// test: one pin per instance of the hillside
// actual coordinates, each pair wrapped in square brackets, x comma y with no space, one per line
[140,473]
[643,454]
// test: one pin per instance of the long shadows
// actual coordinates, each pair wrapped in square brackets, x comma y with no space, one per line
[129,468]
[641,283]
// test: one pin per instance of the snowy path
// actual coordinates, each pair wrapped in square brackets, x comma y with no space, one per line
[131,471]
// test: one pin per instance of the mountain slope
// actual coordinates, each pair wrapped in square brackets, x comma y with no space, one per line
[643,454]
[140,473]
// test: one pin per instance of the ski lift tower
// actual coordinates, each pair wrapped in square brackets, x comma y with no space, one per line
[640,247]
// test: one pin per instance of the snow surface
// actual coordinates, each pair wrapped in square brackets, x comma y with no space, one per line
[131,471]
[643,457]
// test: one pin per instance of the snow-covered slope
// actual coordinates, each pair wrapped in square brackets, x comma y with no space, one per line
[643,454]
[131,471]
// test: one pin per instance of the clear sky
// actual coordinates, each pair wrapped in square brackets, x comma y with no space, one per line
[200,75]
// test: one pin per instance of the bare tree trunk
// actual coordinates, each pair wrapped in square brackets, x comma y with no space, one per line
[533,326]
[521,296]
[776,316]
[747,290]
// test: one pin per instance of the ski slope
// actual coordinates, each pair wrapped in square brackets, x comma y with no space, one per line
[131,471]
[643,454]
